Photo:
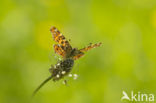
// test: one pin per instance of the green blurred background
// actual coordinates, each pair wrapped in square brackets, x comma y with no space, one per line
[125,61]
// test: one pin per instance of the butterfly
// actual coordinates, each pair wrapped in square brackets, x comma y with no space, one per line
[68,54]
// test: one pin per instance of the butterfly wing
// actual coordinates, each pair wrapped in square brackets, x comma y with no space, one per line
[59,37]
[81,51]
[59,50]
[90,47]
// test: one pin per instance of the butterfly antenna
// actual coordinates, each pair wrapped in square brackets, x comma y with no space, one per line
[41,85]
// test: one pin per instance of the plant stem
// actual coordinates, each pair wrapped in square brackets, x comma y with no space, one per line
[41,85]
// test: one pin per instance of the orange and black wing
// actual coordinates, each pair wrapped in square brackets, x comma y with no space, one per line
[90,47]
[64,46]
[81,51]
[77,56]
[59,50]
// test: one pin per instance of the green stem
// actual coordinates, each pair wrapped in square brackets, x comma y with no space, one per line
[38,88]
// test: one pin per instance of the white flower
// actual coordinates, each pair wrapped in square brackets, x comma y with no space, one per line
[70,75]
[57,75]
[63,72]
[75,76]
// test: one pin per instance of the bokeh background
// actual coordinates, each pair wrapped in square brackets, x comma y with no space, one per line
[125,61]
